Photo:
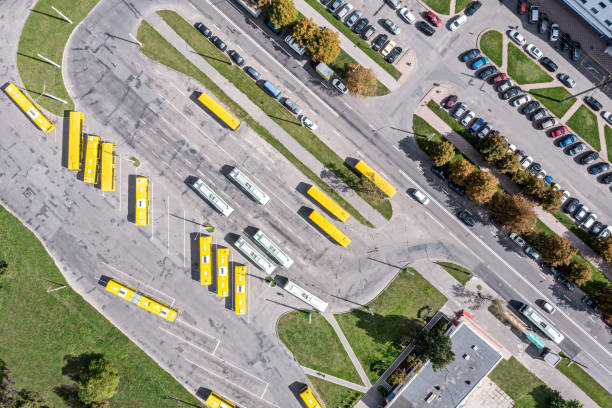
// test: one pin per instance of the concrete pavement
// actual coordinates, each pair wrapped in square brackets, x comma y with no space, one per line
[335,380]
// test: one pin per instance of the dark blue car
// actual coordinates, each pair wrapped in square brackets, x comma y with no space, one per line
[568,140]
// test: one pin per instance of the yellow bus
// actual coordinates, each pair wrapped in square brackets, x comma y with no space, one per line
[222,272]
[28,107]
[382,184]
[108,167]
[75,141]
[240,288]
[329,228]
[140,299]
[205,260]
[142,201]
[327,203]
[308,397]
[219,111]
[92,160]
[214,400]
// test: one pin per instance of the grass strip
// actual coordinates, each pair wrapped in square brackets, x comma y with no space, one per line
[334,395]
[463,275]
[527,390]
[453,123]
[340,66]
[439,6]
[272,108]
[550,98]
[461,4]
[318,347]
[423,131]
[491,45]
[584,123]
[523,69]
[355,38]
[379,331]
[41,332]
[158,49]
[608,135]
[586,383]
[46,33]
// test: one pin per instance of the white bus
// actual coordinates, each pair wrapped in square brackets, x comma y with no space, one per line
[255,256]
[257,193]
[306,296]
[544,325]
[213,198]
[273,249]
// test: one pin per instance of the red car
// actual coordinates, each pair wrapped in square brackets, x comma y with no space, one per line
[522,7]
[433,19]
[499,77]
[450,101]
[560,131]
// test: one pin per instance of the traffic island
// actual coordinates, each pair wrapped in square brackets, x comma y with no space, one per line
[584,124]
[523,69]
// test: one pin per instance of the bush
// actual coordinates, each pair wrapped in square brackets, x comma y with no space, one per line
[99,383]
[498,308]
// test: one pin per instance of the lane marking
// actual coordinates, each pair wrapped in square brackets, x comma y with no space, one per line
[183,339]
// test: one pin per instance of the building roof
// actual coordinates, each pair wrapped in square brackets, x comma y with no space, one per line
[450,385]
[597,16]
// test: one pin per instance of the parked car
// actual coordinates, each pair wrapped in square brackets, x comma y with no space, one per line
[521,100]
[499,77]
[548,64]
[568,140]
[292,106]
[548,307]
[476,125]
[565,42]
[590,303]
[344,10]
[567,80]
[253,73]
[517,239]
[339,85]
[433,19]
[549,268]
[484,131]
[468,118]
[420,197]
[335,6]
[353,18]
[273,28]
[535,169]
[479,62]
[589,221]
[568,285]
[607,116]
[486,71]
[449,101]
[511,93]
[571,206]
[387,48]
[393,55]
[470,55]
[577,148]
[379,41]
[531,107]
[553,34]
[394,4]
[439,171]
[560,131]
[596,228]
[522,7]
[548,180]
[517,37]
[391,26]
[575,51]
[360,25]
[593,103]
[457,22]
[581,213]
[466,217]
[534,51]
[599,168]
[607,179]
[472,8]
[539,115]
[218,43]
[236,58]
[459,110]
[203,29]
[546,123]
[456,188]
[407,16]
[526,161]
[368,32]
[543,23]
[505,85]
[534,14]
[425,28]
[295,45]
[306,121]
[532,253]
[589,158]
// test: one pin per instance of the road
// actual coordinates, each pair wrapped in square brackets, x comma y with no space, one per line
[145,108]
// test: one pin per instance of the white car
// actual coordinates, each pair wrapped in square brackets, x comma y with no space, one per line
[521,100]
[517,37]
[344,11]
[526,162]
[565,196]
[340,87]
[518,240]
[407,15]
[548,307]
[511,148]
[457,22]
[420,197]
[387,48]
[468,118]
[306,121]
[607,116]
[541,174]
[534,51]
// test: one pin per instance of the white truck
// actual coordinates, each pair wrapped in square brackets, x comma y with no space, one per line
[324,70]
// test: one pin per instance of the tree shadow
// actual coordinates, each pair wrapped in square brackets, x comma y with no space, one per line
[68,393]
[541,394]
[76,366]
[388,329]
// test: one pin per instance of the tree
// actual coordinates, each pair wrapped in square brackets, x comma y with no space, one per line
[99,383]
[578,272]
[459,170]
[556,250]
[325,46]
[604,300]
[441,152]
[535,188]
[603,246]
[509,163]
[480,186]
[493,148]
[551,201]
[360,80]
[514,212]
[304,31]
[435,346]
[497,308]
[28,399]
[521,177]
[557,401]
[282,13]
[397,377]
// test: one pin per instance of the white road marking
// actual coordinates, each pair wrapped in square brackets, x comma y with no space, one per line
[198,330]
[177,89]
[183,339]
[168,215]
[184,237]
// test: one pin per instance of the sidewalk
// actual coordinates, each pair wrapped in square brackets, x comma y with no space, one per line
[335,380]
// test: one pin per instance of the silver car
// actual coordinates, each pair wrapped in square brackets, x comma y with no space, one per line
[459,110]
[521,100]
[344,11]
[468,118]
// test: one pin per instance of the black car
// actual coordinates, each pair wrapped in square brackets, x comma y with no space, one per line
[549,268]
[543,23]
[379,42]
[203,29]
[592,102]
[575,51]
[253,73]
[539,114]
[325,2]
[569,285]
[511,93]
[470,55]
[571,206]
[466,217]
[589,158]
[335,6]
[472,8]
[236,58]
[218,43]
[577,148]
[530,107]
[360,25]
[599,168]
[486,71]
[535,169]
[565,42]
[425,28]
[393,55]
[456,188]
[439,171]
[368,32]
[590,303]
[596,228]
[450,101]
[607,179]
[548,64]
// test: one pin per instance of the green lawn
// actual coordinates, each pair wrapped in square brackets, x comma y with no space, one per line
[586,383]
[454,124]
[549,97]
[461,4]
[398,314]
[158,49]
[356,39]
[439,6]
[423,129]
[458,272]
[523,69]
[40,330]
[340,67]
[584,123]
[608,135]
[333,395]
[46,33]
[315,345]
[527,390]
[491,45]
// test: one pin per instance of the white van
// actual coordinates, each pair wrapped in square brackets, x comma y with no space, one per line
[457,22]
[295,46]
